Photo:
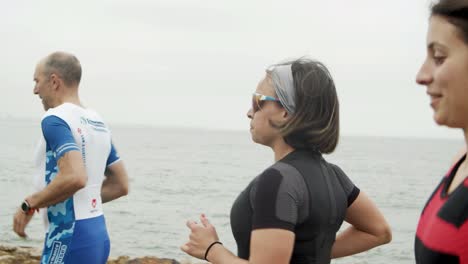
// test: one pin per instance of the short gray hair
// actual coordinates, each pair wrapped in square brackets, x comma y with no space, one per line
[65,65]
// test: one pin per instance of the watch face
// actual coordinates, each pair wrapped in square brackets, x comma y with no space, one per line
[25,207]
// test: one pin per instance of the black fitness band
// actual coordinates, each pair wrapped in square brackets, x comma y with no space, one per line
[208,249]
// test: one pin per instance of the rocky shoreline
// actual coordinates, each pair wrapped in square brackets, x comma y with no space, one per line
[29,255]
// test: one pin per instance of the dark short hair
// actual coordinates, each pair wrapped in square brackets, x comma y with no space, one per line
[456,12]
[315,124]
[65,65]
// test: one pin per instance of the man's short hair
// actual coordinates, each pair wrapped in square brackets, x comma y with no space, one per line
[65,65]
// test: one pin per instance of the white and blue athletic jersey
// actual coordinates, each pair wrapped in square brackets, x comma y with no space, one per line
[77,222]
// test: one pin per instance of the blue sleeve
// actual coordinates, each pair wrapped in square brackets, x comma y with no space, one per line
[58,136]
[113,156]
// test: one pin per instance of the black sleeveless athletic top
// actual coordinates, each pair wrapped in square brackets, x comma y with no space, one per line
[302,193]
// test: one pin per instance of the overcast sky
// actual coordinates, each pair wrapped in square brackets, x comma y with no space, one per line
[195,63]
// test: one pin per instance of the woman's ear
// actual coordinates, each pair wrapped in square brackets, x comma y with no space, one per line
[284,116]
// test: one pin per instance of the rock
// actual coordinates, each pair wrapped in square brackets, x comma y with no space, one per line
[29,255]
[120,260]
[143,260]
[24,255]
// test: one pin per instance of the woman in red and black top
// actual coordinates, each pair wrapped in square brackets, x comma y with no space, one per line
[442,234]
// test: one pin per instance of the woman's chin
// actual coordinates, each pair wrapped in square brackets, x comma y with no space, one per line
[439,119]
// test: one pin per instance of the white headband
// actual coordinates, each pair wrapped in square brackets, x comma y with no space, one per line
[283,83]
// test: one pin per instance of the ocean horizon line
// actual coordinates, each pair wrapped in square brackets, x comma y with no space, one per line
[125,125]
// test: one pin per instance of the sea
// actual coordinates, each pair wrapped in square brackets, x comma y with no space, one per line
[178,173]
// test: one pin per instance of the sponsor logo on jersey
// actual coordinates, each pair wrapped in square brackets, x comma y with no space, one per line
[83,147]
[96,125]
[57,253]
[83,121]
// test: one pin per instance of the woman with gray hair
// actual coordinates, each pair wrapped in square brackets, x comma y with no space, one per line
[292,211]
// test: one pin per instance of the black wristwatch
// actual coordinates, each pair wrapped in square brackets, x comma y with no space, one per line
[26,208]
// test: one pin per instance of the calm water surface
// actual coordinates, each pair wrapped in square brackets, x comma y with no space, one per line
[176,174]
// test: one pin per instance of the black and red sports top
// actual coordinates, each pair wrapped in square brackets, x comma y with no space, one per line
[442,234]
